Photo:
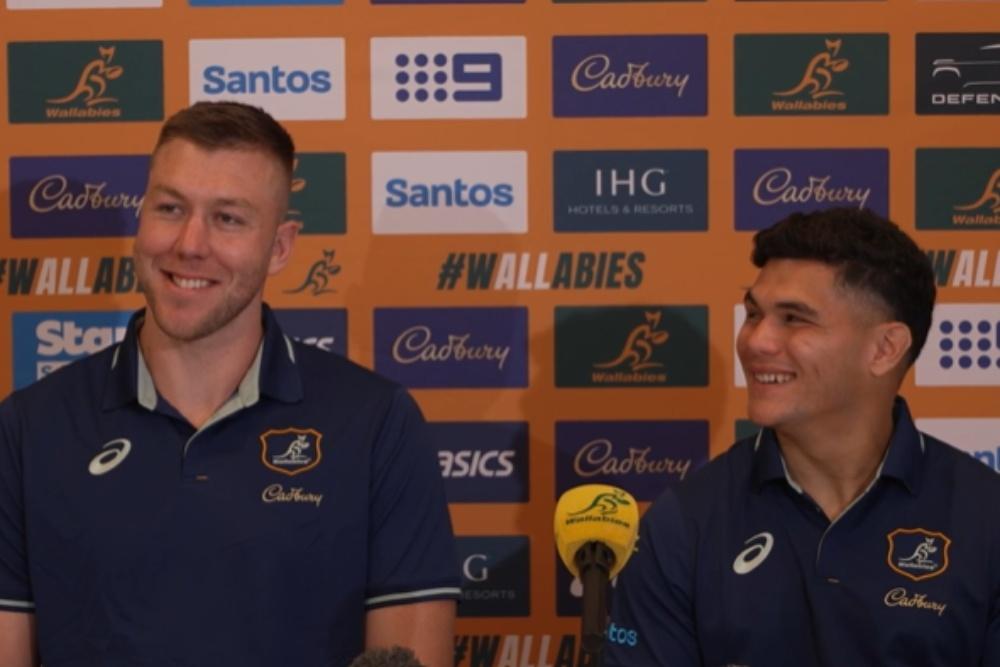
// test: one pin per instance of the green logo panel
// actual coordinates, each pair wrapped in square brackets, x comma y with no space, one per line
[85,82]
[319,193]
[958,188]
[631,346]
[820,74]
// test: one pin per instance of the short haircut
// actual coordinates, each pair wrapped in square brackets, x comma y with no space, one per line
[871,254]
[215,125]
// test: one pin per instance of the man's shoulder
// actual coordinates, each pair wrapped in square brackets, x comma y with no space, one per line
[724,479]
[339,376]
[82,381]
[967,473]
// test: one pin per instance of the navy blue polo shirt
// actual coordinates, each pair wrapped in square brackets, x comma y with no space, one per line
[262,538]
[739,568]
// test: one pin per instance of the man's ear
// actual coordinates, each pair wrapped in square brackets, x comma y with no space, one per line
[281,249]
[892,343]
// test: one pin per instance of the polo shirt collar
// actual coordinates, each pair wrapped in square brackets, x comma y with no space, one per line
[902,462]
[273,373]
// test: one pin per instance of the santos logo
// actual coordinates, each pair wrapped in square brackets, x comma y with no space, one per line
[44,342]
[293,79]
[449,192]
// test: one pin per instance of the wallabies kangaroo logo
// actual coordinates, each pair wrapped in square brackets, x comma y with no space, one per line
[638,348]
[990,196]
[319,275]
[928,553]
[605,503]
[93,82]
[819,73]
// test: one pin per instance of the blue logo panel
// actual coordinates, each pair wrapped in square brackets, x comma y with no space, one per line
[452,347]
[631,191]
[76,196]
[632,75]
[44,342]
[325,328]
[483,462]
[496,577]
[772,184]
[642,457]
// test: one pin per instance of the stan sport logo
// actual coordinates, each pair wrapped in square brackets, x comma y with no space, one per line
[85,81]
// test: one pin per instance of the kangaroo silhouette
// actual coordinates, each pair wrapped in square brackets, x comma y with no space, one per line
[819,73]
[920,554]
[319,275]
[93,82]
[990,196]
[638,348]
[607,503]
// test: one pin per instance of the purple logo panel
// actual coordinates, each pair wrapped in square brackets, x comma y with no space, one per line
[76,196]
[452,347]
[634,75]
[642,457]
[771,184]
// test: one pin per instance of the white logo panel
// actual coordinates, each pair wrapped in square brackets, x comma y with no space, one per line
[292,79]
[963,346]
[978,437]
[457,192]
[448,77]
[80,4]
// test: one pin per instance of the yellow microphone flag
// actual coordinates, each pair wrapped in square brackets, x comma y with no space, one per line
[596,512]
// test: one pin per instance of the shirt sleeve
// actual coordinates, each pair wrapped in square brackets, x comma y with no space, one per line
[412,553]
[652,608]
[15,588]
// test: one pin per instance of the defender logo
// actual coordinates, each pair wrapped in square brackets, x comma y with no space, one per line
[93,82]
[638,349]
[917,554]
[291,451]
[818,78]
[990,196]
[605,503]
[319,275]
[113,453]
[750,558]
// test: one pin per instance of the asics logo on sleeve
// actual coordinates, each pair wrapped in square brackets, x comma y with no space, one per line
[113,453]
[755,554]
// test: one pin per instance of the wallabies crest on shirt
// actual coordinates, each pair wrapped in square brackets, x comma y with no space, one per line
[917,553]
[291,451]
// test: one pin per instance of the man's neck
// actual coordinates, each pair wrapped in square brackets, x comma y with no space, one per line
[198,377]
[836,465]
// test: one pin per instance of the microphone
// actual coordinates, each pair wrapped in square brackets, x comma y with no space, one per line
[596,526]
[395,656]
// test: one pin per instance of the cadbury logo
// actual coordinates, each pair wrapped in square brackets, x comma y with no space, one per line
[52,193]
[416,345]
[595,458]
[775,186]
[595,73]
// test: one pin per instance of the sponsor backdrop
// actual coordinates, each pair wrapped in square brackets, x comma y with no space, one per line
[537,214]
